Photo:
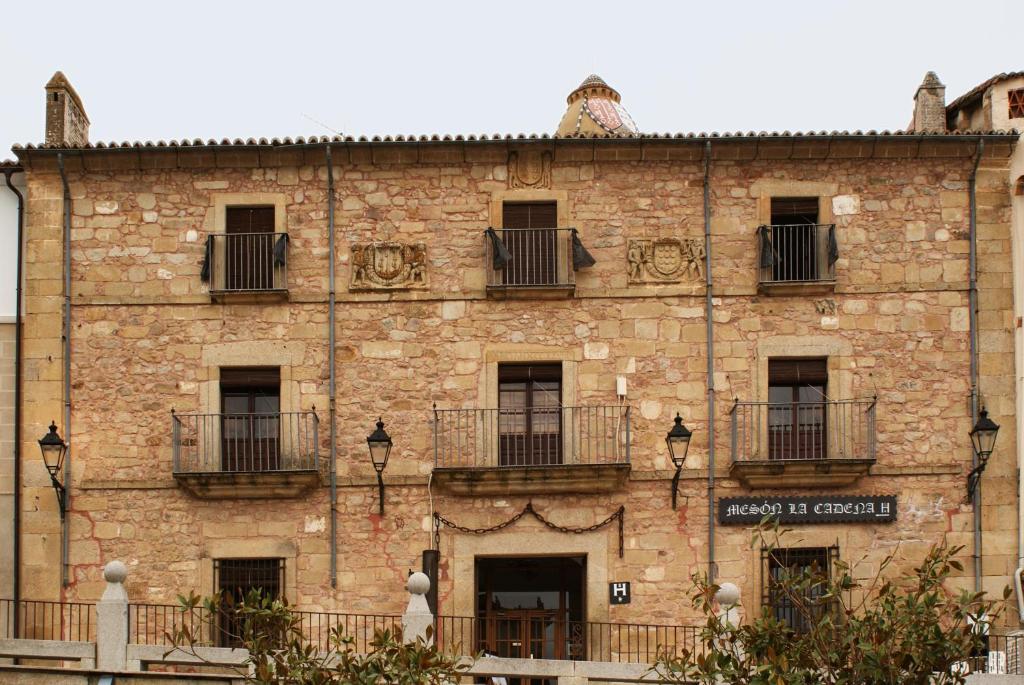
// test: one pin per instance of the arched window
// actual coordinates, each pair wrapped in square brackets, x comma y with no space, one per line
[1019,187]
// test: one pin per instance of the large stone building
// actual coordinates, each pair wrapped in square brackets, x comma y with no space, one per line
[526,315]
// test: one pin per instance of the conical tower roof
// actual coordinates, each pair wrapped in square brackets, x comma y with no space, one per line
[595,111]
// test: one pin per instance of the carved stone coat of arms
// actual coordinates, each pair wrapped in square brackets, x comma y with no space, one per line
[386,265]
[665,260]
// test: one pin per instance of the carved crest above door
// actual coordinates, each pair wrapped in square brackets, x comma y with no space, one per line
[386,265]
[529,169]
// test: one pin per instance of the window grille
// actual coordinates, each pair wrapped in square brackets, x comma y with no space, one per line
[1016,103]
[234,579]
[800,613]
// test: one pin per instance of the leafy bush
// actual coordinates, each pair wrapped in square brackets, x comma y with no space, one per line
[911,630]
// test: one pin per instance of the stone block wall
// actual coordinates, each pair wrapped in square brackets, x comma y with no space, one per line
[146,338]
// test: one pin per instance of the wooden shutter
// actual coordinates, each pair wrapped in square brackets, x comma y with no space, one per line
[249,220]
[530,215]
[250,376]
[794,210]
[797,371]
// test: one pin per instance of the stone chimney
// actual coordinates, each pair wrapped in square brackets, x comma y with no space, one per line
[66,122]
[930,105]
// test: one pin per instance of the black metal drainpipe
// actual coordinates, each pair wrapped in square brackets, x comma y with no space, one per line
[65,521]
[16,590]
[712,571]
[973,314]
[330,362]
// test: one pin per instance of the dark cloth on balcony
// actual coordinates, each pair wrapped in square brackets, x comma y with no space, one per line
[581,259]
[767,252]
[833,246]
[281,250]
[204,275]
[501,255]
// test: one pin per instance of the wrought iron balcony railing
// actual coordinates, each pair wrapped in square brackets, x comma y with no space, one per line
[246,262]
[541,436]
[529,258]
[802,431]
[799,253]
[245,443]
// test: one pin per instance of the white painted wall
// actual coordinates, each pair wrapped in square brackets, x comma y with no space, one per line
[9,244]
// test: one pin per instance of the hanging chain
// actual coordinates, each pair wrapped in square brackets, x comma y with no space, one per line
[619,515]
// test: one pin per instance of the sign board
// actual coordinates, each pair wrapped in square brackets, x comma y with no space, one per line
[618,593]
[828,509]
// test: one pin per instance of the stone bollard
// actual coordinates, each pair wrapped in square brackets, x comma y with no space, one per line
[728,598]
[112,620]
[417,617]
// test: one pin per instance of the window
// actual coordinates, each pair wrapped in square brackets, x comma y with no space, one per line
[532,241]
[249,248]
[233,580]
[816,563]
[529,414]
[793,239]
[796,408]
[250,419]
[1016,103]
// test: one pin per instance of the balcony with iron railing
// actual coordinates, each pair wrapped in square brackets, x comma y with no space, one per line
[246,455]
[533,261]
[540,449]
[244,265]
[797,258]
[802,444]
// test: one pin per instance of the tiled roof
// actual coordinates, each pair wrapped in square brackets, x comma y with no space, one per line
[499,137]
[980,89]
[9,164]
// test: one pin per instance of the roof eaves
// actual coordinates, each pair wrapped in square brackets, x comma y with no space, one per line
[980,89]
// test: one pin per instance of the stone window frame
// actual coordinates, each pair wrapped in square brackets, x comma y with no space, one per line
[500,197]
[800,537]
[285,356]
[837,352]
[216,215]
[494,355]
[255,547]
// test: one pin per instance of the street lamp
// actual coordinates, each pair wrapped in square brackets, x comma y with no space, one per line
[678,441]
[54,449]
[380,447]
[983,439]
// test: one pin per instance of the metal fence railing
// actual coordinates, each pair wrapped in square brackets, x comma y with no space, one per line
[541,436]
[778,431]
[546,637]
[798,253]
[529,258]
[245,443]
[155,624]
[39,620]
[247,262]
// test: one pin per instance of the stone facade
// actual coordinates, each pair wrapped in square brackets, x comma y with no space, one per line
[147,339]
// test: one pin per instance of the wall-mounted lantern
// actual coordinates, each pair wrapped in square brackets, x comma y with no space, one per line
[983,440]
[54,450]
[678,441]
[380,447]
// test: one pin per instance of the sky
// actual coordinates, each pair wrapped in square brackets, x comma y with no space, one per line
[215,69]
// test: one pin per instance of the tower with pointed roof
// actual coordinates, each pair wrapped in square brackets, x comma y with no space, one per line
[595,110]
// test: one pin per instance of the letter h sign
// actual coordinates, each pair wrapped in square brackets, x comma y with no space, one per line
[618,593]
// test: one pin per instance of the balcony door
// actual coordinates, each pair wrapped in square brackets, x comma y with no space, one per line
[250,419]
[249,248]
[796,411]
[529,414]
[795,239]
[534,246]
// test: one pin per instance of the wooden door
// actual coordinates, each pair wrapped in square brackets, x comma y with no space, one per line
[797,409]
[529,414]
[250,420]
[249,248]
[534,247]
